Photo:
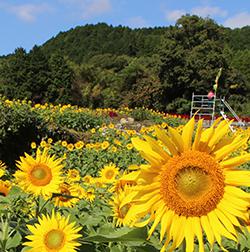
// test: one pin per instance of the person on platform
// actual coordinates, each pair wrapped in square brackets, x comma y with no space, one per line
[210,95]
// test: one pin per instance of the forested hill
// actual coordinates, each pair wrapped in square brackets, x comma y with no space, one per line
[105,66]
[83,42]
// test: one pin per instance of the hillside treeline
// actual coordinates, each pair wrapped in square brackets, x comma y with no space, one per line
[105,66]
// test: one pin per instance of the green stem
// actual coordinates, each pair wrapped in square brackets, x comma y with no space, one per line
[44,204]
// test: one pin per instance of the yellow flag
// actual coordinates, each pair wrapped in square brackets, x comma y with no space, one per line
[215,86]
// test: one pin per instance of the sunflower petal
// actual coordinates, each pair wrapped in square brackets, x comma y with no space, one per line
[198,135]
[161,135]
[187,133]
[176,138]
[236,161]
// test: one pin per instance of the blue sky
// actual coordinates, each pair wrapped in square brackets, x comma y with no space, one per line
[24,23]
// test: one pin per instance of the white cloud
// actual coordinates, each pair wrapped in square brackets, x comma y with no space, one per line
[239,20]
[211,11]
[137,22]
[26,12]
[95,8]
[174,14]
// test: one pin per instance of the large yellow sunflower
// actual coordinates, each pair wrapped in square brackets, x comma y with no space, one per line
[53,234]
[40,175]
[191,185]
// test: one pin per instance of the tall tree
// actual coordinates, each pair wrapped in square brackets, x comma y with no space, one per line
[38,78]
[14,73]
[191,55]
[61,79]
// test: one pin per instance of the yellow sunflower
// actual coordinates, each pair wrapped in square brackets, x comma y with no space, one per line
[40,175]
[120,205]
[105,145]
[108,173]
[33,145]
[90,194]
[87,179]
[68,197]
[5,187]
[79,145]
[70,147]
[73,175]
[191,185]
[124,181]
[53,234]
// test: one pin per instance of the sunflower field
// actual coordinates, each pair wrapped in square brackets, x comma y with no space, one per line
[125,180]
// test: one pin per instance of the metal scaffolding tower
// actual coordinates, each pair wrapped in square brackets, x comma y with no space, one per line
[206,108]
[203,107]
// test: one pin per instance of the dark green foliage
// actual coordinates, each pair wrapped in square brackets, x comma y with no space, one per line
[21,124]
[14,72]
[91,40]
[37,77]
[105,66]
[238,39]
[17,130]
[59,89]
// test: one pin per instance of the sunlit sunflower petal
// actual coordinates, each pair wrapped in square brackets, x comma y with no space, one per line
[187,134]
[226,222]
[165,223]
[197,135]
[238,178]
[207,228]
[219,133]
[176,138]
[236,161]
[189,235]
[145,147]
[158,215]
[155,147]
[198,232]
[224,151]
[237,192]
[166,141]
[219,228]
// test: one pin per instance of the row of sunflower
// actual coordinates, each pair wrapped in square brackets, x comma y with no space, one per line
[156,189]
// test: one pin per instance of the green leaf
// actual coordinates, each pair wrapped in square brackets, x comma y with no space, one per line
[25,249]
[121,235]
[14,241]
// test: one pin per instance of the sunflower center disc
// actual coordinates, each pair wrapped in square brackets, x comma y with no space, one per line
[192,184]
[40,175]
[54,239]
[123,210]
[109,174]
[66,192]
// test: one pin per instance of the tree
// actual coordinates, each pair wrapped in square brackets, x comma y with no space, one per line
[14,75]
[191,55]
[38,78]
[61,78]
